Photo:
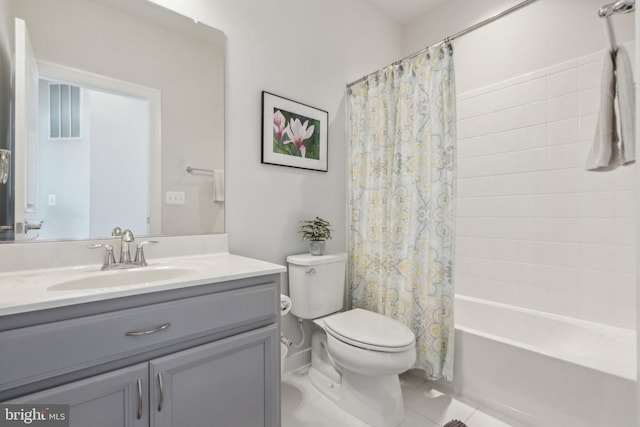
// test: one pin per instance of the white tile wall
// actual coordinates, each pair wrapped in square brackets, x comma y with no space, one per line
[534,229]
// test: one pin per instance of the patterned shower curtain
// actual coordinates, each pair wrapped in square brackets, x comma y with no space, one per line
[401,126]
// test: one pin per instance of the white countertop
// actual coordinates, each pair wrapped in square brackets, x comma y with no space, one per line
[32,290]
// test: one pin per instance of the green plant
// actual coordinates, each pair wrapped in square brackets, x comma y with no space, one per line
[315,229]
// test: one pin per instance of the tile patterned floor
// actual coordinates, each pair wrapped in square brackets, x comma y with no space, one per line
[304,406]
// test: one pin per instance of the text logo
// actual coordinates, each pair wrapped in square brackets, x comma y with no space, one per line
[34,415]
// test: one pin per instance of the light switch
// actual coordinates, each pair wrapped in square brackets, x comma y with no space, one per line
[175,198]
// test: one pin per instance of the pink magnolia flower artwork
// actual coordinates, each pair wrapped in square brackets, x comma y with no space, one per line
[299,132]
[295,135]
[279,125]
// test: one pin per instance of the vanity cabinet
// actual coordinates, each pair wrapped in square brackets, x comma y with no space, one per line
[226,383]
[206,356]
[108,400]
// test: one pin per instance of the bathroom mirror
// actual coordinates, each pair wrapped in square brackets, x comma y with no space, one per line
[117,100]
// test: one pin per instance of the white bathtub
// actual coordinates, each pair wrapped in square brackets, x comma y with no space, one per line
[542,369]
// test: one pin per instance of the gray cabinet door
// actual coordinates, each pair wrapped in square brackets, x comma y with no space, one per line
[233,382]
[115,399]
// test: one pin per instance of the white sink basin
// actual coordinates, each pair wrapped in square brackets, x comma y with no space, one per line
[125,277]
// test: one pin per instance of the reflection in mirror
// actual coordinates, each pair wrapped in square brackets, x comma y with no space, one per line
[93,130]
[114,100]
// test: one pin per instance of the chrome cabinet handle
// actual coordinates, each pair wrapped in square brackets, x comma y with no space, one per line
[151,331]
[139,398]
[311,271]
[161,402]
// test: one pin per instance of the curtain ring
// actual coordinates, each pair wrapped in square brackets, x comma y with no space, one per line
[447,44]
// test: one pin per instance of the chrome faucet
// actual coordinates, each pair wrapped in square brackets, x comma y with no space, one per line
[126,238]
[125,255]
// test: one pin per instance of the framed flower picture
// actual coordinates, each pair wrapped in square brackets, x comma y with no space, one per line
[293,134]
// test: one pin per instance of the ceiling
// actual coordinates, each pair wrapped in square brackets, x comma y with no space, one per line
[404,11]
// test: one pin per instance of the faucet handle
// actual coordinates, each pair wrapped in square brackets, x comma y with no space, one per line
[116,232]
[140,252]
[109,258]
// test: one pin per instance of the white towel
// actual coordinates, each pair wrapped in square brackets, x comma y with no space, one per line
[617,82]
[606,139]
[626,92]
[218,185]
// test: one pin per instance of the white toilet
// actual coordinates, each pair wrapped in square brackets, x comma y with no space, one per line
[356,355]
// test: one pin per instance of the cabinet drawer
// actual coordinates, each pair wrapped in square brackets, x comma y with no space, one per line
[35,353]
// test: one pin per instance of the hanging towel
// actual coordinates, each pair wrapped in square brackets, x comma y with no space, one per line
[626,92]
[218,185]
[608,150]
[605,143]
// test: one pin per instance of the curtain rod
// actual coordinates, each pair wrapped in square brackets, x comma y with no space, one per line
[455,36]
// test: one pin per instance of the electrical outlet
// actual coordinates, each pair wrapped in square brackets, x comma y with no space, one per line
[175,198]
[52,199]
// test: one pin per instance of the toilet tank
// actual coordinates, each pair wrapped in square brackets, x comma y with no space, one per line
[316,284]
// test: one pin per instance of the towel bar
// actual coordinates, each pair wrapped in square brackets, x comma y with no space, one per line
[192,170]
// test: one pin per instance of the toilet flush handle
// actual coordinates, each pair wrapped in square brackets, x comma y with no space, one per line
[311,272]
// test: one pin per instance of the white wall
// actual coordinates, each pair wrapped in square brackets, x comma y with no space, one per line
[535,229]
[306,51]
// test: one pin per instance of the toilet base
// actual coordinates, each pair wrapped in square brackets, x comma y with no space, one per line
[375,400]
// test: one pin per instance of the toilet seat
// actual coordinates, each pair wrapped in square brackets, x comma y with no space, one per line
[369,330]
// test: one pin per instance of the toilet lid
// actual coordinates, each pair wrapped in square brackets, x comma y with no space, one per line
[367,329]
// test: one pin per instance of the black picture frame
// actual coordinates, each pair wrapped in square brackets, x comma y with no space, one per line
[294,134]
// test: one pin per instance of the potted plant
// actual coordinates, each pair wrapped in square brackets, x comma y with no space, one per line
[316,231]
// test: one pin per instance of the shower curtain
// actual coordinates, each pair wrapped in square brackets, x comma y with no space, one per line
[401,136]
